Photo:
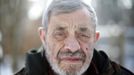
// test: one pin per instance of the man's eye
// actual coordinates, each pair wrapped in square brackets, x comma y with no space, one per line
[83,35]
[60,35]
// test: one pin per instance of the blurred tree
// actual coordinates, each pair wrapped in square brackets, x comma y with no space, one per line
[11,14]
[108,11]
[115,11]
[132,14]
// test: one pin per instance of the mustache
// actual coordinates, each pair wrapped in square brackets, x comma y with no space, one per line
[68,53]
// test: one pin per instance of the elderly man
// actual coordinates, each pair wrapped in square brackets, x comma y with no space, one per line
[68,35]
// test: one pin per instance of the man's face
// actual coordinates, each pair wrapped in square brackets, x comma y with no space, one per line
[69,41]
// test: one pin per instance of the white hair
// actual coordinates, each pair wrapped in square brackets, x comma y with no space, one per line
[66,6]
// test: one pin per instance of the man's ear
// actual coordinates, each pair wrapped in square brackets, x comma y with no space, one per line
[42,34]
[97,36]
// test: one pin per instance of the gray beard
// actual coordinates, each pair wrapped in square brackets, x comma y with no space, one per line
[59,71]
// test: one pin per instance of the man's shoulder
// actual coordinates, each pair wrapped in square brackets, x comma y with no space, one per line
[111,65]
[21,72]
[33,58]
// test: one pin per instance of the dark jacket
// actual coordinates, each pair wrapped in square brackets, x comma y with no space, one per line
[36,64]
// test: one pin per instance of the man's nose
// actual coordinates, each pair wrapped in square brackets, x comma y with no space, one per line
[72,44]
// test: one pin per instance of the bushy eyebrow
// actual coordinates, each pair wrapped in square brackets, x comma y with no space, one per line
[60,28]
[83,29]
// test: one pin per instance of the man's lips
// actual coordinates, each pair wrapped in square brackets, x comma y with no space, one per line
[71,59]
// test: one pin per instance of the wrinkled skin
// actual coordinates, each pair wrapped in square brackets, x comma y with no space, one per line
[69,41]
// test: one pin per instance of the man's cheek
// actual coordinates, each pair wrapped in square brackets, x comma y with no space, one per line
[87,49]
[55,50]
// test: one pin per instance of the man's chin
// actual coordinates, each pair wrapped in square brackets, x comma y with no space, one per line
[70,67]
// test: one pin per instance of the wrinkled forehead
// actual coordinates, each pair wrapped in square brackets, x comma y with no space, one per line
[77,19]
